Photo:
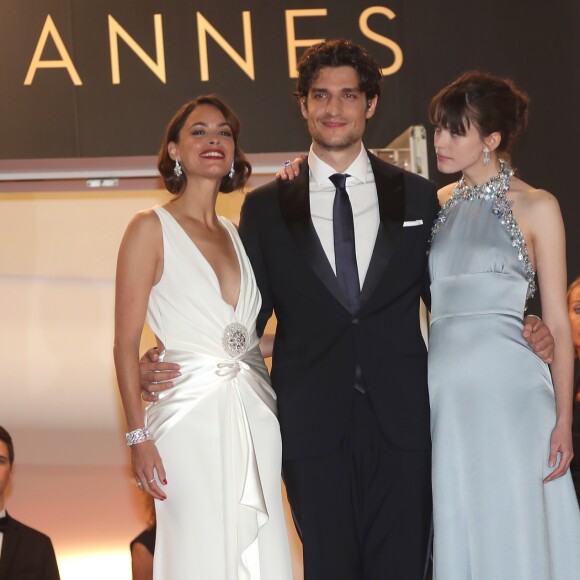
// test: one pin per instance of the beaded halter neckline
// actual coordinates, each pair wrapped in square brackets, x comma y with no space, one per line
[495,189]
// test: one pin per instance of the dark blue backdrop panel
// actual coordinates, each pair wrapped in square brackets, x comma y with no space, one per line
[534,42]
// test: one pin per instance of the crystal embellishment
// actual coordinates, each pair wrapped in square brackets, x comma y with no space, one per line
[496,189]
[236,339]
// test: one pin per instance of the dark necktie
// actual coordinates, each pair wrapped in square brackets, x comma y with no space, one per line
[344,246]
[345,254]
[3,524]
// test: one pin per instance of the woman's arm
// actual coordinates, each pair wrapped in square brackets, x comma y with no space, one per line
[545,224]
[139,267]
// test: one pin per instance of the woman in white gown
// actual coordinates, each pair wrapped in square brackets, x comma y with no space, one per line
[209,450]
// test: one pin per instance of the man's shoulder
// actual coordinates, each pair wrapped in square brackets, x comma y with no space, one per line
[263,192]
[418,185]
[270,196]
[28,532]
[261,198]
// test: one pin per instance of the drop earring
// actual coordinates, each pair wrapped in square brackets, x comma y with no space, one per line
[232,171]
[486,156]
[177,169]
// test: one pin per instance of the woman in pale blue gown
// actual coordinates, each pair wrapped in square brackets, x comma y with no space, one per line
[504,503]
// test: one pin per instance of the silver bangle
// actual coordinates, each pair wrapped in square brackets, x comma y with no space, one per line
[138,436]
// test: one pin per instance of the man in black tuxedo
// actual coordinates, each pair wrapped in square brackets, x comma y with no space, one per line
[339,255]
[349,361]
[25,554]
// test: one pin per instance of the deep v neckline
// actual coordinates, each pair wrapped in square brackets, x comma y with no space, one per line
[207,262]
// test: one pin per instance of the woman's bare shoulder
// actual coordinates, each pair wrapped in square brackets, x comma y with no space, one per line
[144,227]
[529,197]
[145,218]
[445,193]
[536,210]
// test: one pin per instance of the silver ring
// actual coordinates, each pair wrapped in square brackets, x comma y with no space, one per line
[153,393]
[139,484]
[151,481]
[287,163]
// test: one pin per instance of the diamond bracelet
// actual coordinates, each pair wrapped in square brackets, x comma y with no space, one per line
[138,436]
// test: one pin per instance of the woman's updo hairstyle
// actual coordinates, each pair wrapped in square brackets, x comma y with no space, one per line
[166,165]
[491,103]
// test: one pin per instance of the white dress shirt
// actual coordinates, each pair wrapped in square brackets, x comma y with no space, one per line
[2,515]
[362,193]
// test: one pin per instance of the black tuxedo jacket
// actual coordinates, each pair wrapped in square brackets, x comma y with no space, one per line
[26,554]
[318,341]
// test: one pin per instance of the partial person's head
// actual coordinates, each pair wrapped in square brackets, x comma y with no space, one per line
[574,313]
[338,86]
[6,461]
[203,136]
[476,112]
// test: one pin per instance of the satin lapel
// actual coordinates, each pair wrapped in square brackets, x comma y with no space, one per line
[9,544]
[294,202]
[391,195]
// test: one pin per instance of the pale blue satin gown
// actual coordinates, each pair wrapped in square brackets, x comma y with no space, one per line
[492,409]
[216,430]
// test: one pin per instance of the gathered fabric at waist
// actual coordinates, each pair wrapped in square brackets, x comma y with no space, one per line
[220,394]
[201,375]
[481,293]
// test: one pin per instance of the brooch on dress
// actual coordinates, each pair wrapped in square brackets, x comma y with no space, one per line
[236,339]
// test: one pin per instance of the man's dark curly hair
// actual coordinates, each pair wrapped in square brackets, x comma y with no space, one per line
[335,53]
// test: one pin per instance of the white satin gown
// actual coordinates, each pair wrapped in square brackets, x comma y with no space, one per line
[216,430]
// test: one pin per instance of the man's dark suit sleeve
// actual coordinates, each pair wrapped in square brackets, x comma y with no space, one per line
[249,232]
[426,293]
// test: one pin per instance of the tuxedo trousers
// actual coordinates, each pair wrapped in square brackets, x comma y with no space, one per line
[363,511]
